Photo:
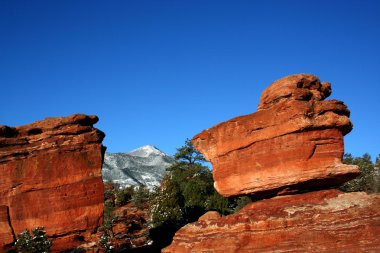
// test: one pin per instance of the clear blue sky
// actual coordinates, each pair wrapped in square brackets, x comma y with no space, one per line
[158,72]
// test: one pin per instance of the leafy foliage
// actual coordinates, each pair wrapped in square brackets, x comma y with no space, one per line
[369,179]
[36,243]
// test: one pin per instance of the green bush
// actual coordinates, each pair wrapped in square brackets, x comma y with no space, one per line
[369,178]
[187,191]
[242,202]
[124,195]
[141,197]
[105,242]
[108,215]
[36,243]
[165,206]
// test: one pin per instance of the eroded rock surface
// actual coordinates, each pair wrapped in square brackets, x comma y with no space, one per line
[50,175]
[322,221]
[293,142]
[6,233]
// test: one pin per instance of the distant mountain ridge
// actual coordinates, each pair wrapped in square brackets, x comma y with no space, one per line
[143,166]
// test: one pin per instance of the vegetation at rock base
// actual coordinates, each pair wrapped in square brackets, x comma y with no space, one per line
[188,191]
[125,217]
[242,202]
[369,179]
[37,242]
[185,193]
[105,242]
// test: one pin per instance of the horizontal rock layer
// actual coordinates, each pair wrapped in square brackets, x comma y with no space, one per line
[50,175]
[322,221]
[294,141]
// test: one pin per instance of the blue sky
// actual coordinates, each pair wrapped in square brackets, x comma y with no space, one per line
[158,72]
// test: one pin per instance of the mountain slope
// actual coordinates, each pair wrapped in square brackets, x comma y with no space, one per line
[143,166]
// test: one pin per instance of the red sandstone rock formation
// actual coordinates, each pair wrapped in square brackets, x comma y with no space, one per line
[322,221]
[294,141]
[210,215]
[6,233]
[50,175]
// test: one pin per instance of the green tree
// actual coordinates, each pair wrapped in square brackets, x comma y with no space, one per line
[166,204]
[216,202]
[124,195]
[36,243]
[188,154]
[241,202]
[141,197]
[368,180]
[109,217]
[187,192]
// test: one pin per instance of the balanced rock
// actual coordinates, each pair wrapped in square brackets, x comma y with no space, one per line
[50,175]
[293,142]
[321,221]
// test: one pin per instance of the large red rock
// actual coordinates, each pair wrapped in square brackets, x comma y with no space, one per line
[294,142]
[6,233]
[50,175]
[322,221]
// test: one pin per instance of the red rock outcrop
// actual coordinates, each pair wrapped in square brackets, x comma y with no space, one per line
[6,233]
[210,215]
[50,175]
[322,221]
[293,142]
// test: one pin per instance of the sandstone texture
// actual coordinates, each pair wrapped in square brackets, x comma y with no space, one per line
[50,175]
[321,221]
[210,215]
[6,233]
[292,143]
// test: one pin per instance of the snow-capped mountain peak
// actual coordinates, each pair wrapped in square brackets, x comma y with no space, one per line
[146,151]
[143,166]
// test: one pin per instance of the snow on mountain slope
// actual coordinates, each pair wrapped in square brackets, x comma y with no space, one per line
[143,166]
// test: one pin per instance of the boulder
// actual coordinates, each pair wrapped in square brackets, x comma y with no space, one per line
[50,175]
[210,215]
[292,143]
[321,221]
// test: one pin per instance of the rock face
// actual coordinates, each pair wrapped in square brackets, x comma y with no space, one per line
[50,175]
[294,142]
[6,233]
[322,221]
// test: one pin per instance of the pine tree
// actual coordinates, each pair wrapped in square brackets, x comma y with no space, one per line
[166,204]
[368,180]
[188,154]
[187,192]
[36,243]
